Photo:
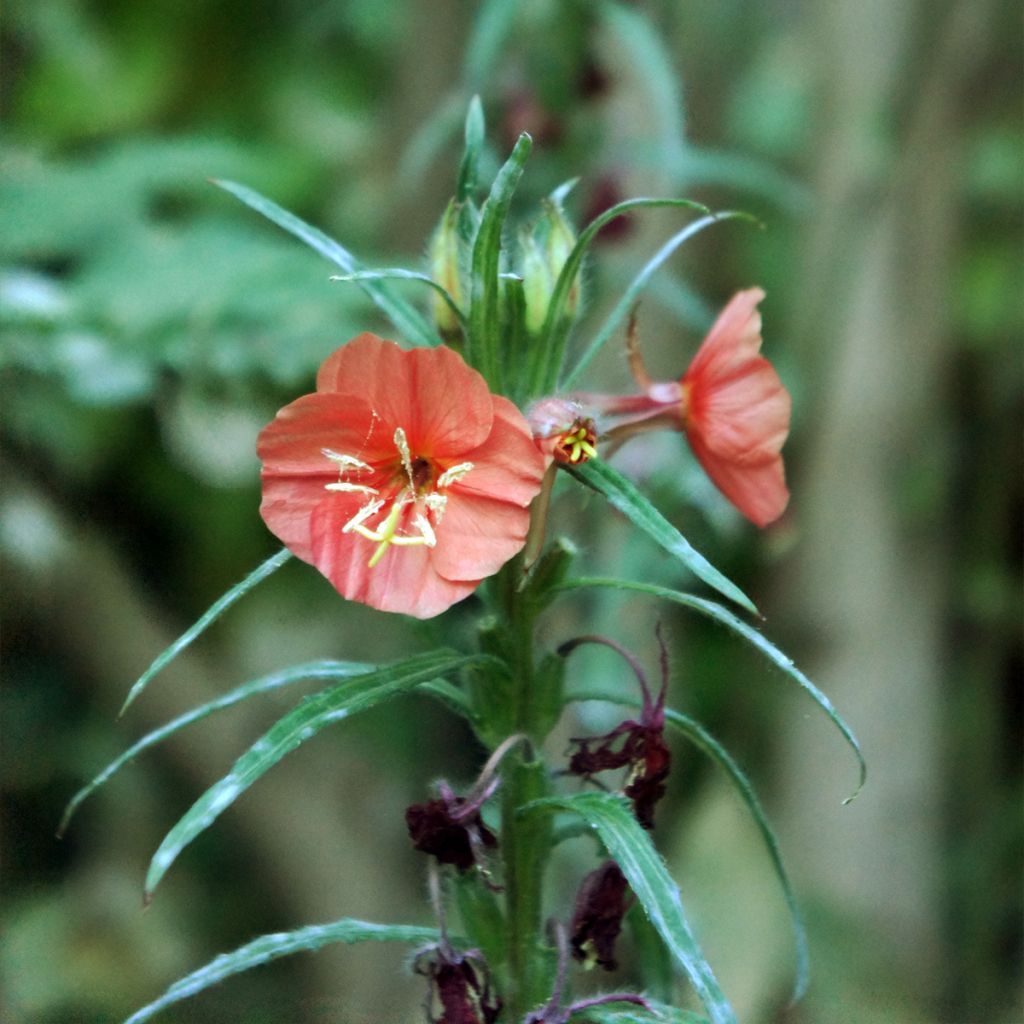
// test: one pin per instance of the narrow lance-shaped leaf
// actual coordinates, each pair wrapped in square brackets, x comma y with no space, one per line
[411,324]
[628,300]
[748,633]
[221,605]
[633,850]
[548,365]
[297,673]
[710,746]
[599,476]
[481,348]
[356,694]
[278,944]
[401,274]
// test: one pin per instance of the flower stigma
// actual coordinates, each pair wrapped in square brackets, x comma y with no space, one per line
[578,444]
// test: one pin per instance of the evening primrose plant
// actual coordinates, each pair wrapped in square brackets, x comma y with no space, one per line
[418,475]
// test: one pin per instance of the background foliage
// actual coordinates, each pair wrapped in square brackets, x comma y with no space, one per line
[151,326]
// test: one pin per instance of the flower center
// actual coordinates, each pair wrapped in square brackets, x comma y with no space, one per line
[413,506]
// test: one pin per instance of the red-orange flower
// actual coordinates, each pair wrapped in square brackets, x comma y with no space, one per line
[731,405]
[402,479]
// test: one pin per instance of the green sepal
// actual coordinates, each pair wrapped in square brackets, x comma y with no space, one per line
[515,341]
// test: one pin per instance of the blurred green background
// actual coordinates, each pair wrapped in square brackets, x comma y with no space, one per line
[151,326]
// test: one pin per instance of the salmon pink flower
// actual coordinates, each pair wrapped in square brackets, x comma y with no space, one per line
[731,405]
[402,478]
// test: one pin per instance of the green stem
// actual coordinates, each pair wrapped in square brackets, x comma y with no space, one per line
[525,843]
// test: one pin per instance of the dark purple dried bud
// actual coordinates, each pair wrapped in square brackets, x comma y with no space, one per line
[602,901]
[438,828]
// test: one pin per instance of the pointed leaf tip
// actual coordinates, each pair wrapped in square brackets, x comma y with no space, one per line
[221,605]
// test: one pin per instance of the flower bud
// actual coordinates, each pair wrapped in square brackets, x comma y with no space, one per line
[537,283]
[445,261]
[558,245]
[544,253]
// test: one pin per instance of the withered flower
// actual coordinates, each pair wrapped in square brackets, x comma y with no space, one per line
[460,986]
[637,745]
[460,982]
[553,1012]
[604,897]
[451,829]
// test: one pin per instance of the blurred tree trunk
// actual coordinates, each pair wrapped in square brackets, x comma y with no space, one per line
[873,566]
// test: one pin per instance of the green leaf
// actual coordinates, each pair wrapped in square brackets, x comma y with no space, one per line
[313,670]
[632,848]
[355,694]
[278,944]
[484,334]
[556,324]
[406,318]
[475,134]
[710,746]
[597,474]
[748,633]
[401,274]
[628,300]
[221,605]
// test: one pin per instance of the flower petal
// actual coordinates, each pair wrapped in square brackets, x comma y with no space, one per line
[507,466]
[404,580]
[442,404]
[477,536]
[296,471]
[743,417]
[734,338]
[758,490]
